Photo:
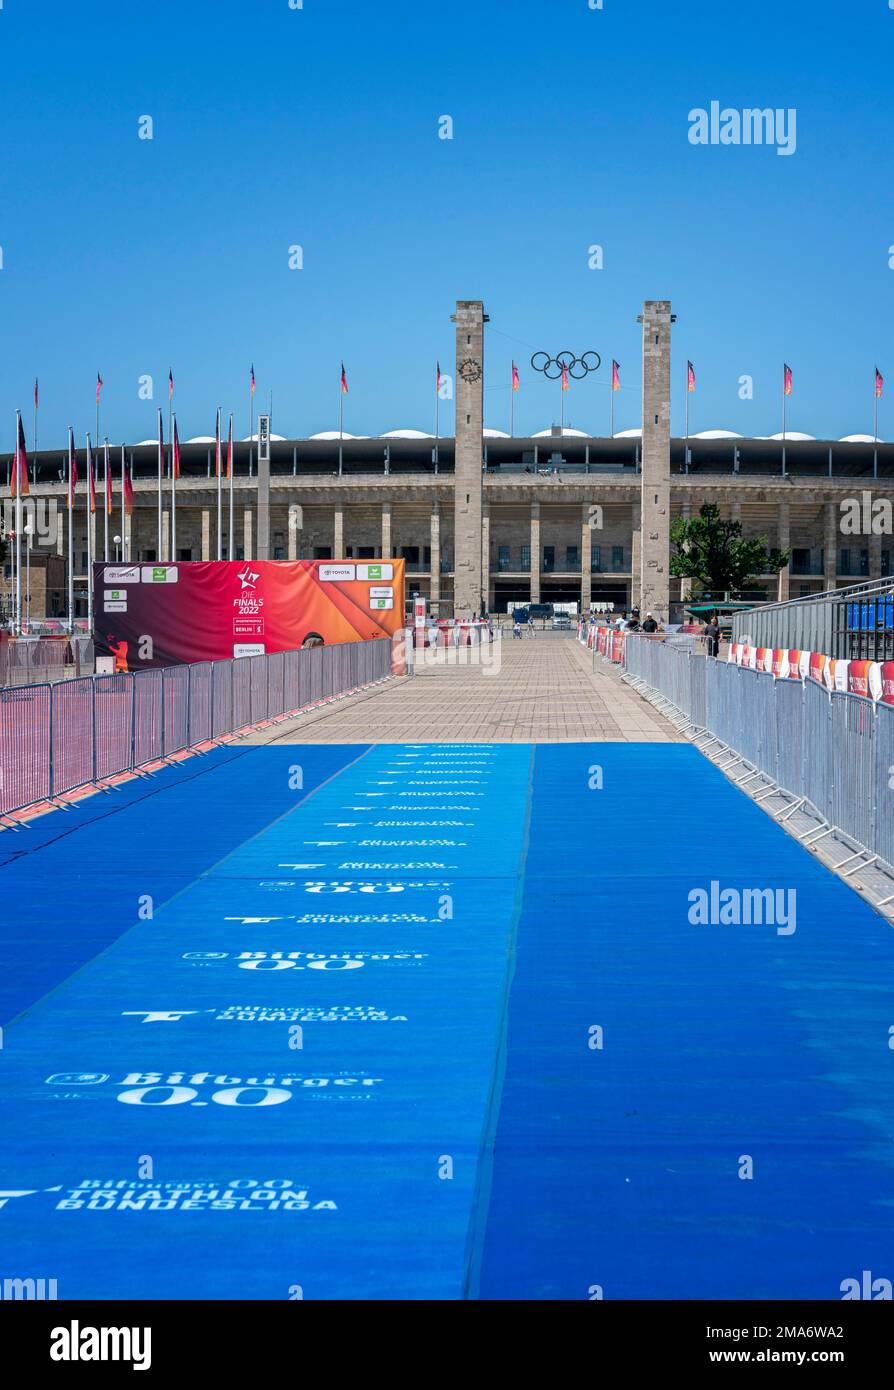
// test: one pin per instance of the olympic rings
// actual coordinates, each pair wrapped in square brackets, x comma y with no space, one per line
[577,367]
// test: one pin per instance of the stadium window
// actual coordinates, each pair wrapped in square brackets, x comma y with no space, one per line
[549,557]
[366,552]
[503,557]
[322,552]
[571,560]
[595,557]
[886,562]
[410,553]
[184,554]
[149,555]
[526,557]
[844,562]
[617,557]
[279,552]
[240,552]
[864,561]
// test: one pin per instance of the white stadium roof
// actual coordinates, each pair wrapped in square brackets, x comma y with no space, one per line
[200,439]
[569,432]
[496,434]
[253,438]
[716,434]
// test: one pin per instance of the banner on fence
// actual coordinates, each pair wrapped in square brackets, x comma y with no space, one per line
[211,610]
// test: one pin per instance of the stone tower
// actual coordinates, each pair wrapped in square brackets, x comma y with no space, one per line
[654,577]
[470,579]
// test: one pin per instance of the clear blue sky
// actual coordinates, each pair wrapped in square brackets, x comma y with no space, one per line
[319,127]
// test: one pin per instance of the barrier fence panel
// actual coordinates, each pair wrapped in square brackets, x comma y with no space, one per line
[305,679]
[112,724]
[147,717]
[72,734]
[221,698]
[25,746]
[199,702]
[315,663]
[883,782]
[291,680]
[241,692]
[790,736]
[175,687]
[275,683]
[698,701]
[817,747]
[258,670]
[852,742]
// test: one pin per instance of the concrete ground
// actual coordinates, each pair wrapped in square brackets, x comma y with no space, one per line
[542,689]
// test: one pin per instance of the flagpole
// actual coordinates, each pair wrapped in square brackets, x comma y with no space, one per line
[251,420]
[232,476]
[612,395]
[562,415]
[875,426]
[105,509]
[18,617]
[218,463]
[173,494]
[90,493]
[783,424]
[158,555]
[437,421]
[123,513]
[70,535]
[511,409]
[35,416]
[341,422]
[686,442]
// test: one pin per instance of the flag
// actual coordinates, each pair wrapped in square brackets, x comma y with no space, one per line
[108,480]
[230,450]
[170,384]
[344,381]
[126,486]
[616,375]
[35,393]
[72,467]
[879,382]
[175,462]
[252,378]
[98,386]
[564,378]
[516,382]
[786,379]
[19,485]
[438,381]
[217,457]
[91,477]
[690,377]
[161,447]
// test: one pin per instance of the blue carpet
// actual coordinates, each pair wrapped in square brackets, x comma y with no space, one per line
[379,987]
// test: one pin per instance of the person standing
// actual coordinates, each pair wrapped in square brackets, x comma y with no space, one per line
[712,636]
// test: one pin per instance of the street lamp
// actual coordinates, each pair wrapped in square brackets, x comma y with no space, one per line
[117,540]
[28,530]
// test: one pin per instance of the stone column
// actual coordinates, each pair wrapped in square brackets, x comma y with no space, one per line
[468,585]
[586,541]
[636,536]
[338,535]
[656,320]
[535,552]
[434,578]
[875,556]
[206,534]
[830,556]
[294,533]
[246,525]
[485,555]
[783,541]
[386,530]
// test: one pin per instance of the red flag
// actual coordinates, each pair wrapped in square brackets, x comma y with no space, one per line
[217,457]
[616,375]
[252,378]
[98,386]
[344,381]
[170,383]
[72,467]
[879,382]
[230,450]
[19,484]
[564,378]
[176,458]
[126,486]
[690,377]
[91,477]
[786,379]
[438,381]
[515,378]
[108,468]
[35,393]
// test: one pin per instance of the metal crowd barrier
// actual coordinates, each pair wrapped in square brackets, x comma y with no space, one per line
[55,737]
[833,749]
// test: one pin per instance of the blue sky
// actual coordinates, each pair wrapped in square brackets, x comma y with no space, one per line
[319,127]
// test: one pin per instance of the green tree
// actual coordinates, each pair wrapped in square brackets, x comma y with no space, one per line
[713,551]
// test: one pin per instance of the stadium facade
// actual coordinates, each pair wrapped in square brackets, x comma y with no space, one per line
[485,520]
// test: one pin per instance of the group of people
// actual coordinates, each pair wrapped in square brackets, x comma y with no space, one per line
[630,622]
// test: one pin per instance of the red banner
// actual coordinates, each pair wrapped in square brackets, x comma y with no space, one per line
[858,677]
[163,615]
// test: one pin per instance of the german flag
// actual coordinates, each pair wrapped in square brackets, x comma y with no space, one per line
[175,462]
[564,378]
[344,381]
[230,450]
[616,376]
[19,485]
[786,379]
[127,486]
[879,382]
[98,386]
[690,377]
[515,378]
[218,462]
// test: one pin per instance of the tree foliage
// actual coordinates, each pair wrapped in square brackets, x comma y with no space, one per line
[713,551]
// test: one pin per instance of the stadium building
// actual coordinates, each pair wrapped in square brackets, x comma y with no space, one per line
[485,520]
